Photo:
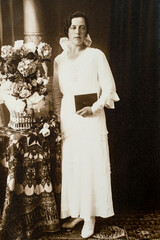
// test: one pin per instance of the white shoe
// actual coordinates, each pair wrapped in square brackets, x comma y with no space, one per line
[72,222]
[88,228]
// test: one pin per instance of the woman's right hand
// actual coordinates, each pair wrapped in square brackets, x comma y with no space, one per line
[85,112]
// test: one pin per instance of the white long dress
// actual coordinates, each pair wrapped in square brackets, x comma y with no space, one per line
[86,183]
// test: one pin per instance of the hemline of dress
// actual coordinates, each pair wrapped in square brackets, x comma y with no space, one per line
[67,214]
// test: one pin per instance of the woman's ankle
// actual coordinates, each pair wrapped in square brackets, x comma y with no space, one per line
[89,219]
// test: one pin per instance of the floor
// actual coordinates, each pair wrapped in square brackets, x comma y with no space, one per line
[124,226]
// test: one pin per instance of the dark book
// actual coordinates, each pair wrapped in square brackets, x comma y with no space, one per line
[85,100]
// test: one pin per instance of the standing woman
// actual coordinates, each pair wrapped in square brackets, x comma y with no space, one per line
[80,69]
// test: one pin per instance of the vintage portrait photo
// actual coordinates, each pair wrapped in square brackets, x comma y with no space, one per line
[79,119]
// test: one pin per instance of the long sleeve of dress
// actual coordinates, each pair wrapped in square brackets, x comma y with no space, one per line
[57,95]
[108,89]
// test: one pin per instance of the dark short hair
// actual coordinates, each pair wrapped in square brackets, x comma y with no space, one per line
[68,21]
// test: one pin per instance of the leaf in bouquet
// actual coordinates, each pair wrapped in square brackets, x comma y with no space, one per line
[46,60]
[2,68]
[19,77]
[2,61]
[2,72]
[40,69]
[30,56]
[34,89]
[42,90]
[45,93]
[31,76]
[11,78]
[16,95]
[12,66]
[17,57]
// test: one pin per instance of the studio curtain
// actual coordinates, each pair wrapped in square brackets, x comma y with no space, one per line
[133,40]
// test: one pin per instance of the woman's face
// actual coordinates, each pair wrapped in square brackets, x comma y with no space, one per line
[77,31]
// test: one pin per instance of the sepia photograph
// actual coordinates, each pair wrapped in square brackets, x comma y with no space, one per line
[79,119]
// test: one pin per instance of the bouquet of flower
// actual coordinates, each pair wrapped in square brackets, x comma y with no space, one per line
[22,69]
[44,128]
[23,81]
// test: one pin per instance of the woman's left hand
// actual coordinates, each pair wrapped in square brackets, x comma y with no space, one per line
[85,112]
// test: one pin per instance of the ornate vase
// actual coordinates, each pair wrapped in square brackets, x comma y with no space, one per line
[23,112]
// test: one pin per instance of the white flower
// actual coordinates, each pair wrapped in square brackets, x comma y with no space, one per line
[24,93]
[45,81]
[42,90]
[58,139]
[34,82]
[6,51]
[18,44]
[40,80]
[45,125]
[29,47]
[26,67]
[45,132]
[44,50]
[53,123]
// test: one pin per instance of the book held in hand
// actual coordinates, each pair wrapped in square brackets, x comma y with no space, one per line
[85,100]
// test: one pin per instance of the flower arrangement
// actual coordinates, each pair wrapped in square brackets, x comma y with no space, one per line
[23,81]
[22,69]
[44,128]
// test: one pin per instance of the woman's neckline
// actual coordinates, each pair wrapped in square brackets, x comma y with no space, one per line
[75,59]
